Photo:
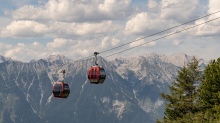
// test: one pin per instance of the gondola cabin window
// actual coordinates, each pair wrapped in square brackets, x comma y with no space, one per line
[92,74]
[89,74]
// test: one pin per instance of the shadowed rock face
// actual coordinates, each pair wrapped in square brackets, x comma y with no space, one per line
[129,94]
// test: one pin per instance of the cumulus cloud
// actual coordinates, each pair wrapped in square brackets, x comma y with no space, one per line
[171,13]
[151,44]
[24,29]
[75,10]
[5,22]
[211,28]
[57,29]
[178,10]
[208,29]
[177,42]
[23,52]
[168,13]
[214,7]
[139,42]
[152,4]
[115,41]
[68,47]
[62,29]
[146,23]
[108,43]
[5,47]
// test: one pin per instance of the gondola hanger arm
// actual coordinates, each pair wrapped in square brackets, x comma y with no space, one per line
[96,53]
[63,71]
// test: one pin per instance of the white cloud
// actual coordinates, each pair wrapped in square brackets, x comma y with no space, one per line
[178,10]
[5,47]
[62,29]
[26,53]
[169,13]
[113,9]
[75,10]
[146,23]
[108,43]
[24,29]
[151,44]
[211,28]
[59,43]
[177,42]
[115,41]
[208,29]
[214,6]
[58,29]
[205,30]
[152,4]
[68,47]
[4,22]
[141,41]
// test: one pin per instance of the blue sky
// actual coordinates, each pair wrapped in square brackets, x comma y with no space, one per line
[31,29]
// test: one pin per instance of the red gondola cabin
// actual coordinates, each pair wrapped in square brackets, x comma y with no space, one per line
[96,75]
[61,90]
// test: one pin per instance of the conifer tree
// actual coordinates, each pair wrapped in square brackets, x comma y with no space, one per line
[210,89]
[183,93]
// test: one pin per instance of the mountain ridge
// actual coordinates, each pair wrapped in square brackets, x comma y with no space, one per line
[130,92]
[180,57]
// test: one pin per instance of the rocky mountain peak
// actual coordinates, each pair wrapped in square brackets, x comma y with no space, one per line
[4,59]
[176,59]
[58,57]
[180,58]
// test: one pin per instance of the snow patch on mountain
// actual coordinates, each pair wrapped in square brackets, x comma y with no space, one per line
[83,86]
[119,107]
[146,104]
[158,103]
[125,93]
[105,99]
[135,95]
[49,99]
[42,95]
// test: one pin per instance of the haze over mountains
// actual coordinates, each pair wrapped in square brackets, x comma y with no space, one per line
[129,94]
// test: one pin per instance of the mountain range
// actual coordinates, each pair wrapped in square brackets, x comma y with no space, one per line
[130,93]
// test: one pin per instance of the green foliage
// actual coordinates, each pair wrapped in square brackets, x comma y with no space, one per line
[183,99]
[210,89]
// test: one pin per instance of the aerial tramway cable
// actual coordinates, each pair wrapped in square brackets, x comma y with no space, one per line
[122,50]
[113,48]
[159,32]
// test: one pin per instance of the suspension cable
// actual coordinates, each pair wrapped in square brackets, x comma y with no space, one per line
[159,32]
